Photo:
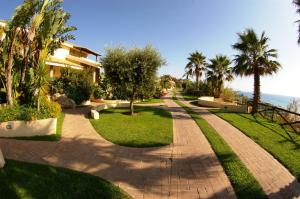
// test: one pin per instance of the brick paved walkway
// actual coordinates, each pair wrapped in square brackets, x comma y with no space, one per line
[186,169]
[275,179]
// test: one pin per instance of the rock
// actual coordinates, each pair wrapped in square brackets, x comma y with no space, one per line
[86,103]
[2,161]
[65,102]
[95,114]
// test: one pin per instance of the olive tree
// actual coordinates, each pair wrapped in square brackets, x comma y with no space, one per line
[132,72]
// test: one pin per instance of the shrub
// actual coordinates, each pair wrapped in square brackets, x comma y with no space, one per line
[48,109]
[76,84]
[2,97]
[190,88]
[98,92]
[229,95]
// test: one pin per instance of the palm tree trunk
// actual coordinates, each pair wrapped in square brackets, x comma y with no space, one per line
[8,70]
[219,89]
[197,81]
[24,68]
[256,95]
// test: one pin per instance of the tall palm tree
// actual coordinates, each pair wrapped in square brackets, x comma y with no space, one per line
[195,66]
[254,58]
[219,70]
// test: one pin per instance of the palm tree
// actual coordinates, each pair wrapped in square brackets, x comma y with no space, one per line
[195,66]
[37,27]
[254,58]
[218,71]
[297,3]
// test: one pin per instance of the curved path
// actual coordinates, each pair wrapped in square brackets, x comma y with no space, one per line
[275,179]
[186,169]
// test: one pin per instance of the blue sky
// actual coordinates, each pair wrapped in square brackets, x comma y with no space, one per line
[179,27]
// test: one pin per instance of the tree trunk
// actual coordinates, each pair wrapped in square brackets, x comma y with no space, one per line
[8,70]
[219,90]
[24,68]
[131,107]
[197,81]
[256,95]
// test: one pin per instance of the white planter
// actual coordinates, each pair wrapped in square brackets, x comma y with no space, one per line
[28,128]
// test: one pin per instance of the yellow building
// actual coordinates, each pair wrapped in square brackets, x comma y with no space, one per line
[70,55]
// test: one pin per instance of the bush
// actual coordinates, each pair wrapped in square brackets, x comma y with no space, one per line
[2,97]
[190,88]
[229,95]
[48,109]
[98,92]
[76,84]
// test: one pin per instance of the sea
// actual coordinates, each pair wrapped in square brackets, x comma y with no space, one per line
[277,100]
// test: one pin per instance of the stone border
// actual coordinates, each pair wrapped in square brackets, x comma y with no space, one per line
[209,102]
[112,104]
[28,128]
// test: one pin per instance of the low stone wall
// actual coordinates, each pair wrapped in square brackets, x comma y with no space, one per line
[28,128]
[209,102]
[112,104]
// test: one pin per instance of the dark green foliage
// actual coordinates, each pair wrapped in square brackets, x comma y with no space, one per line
[48,109]
[132,73]
[2,97]
[21,180]
[76,84]
[244,184]
[191,89]
[98,93]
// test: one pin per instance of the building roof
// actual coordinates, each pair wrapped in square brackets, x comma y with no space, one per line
[82,48]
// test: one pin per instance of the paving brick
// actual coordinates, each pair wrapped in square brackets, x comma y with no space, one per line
[274,178]
[186,169]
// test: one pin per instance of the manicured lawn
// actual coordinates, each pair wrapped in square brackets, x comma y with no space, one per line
[189,97]
[151,101]
[19,180]
[55,137]
[270,136]
[150,127]
[244,184]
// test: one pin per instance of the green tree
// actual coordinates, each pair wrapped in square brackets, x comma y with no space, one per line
[254,58]
[132,73]
[195,66]
[165,81]
[37,28]
[219,70]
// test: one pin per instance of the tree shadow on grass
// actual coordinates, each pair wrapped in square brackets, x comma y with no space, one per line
[289,137]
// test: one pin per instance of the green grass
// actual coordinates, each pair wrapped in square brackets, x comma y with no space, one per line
[150,127]
[244,184]
[270,136]
[151,101]
[189,97]
[19,180]
[55,137]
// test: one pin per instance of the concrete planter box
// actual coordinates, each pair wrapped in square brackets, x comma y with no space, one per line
[112,104]
[28,128]
[209,102]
